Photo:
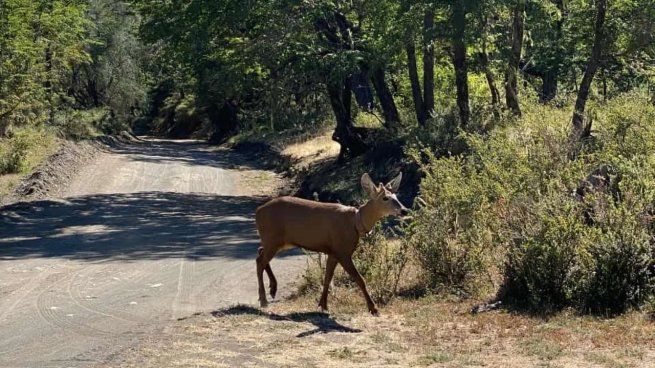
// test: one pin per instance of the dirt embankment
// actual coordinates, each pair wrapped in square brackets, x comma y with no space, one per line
[311,163]
[56,172]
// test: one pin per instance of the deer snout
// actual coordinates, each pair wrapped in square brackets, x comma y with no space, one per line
[404,211]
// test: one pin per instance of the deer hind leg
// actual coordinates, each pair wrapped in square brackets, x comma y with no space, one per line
[265,254]
[329,273]
[272,281]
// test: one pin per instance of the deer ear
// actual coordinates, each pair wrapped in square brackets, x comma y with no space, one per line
[394,184]
[368,185]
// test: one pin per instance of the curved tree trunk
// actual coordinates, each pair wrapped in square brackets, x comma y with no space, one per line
[511,85]
[352,144]
[581,127]
[459,61]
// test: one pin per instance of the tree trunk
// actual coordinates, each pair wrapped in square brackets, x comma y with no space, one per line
[550,76]
[459,61]
[516,41]
[362,89]
[4,124]
[345,133]
[388,105]
[484,62]
[549,85]
[413,79]
[428,63]
[224,120]
[582,128]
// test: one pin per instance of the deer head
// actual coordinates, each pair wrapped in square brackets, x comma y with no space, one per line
[383,200]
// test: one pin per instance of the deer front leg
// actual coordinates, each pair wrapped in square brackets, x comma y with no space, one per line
[349,266]
[329,273]
[265,253]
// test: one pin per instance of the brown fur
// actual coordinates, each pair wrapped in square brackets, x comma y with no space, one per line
[328,228]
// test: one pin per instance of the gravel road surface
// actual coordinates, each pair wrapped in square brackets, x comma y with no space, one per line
[146,233]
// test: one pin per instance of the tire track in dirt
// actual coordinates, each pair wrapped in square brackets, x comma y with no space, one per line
[52,314]
[17,296]
[80,301]
[182,301]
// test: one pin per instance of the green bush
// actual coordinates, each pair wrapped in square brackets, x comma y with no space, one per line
[25,149]
[506,211]
[544,270]
[451,236]
[381,262]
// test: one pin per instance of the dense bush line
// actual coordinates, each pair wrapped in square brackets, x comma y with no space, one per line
[517,212]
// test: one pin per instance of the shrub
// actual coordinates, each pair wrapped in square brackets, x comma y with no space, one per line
[381,261]
[506,209]
[545,269]
[24,150]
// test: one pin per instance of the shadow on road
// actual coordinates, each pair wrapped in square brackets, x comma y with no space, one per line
[323,322]
[134,226]
[189,153]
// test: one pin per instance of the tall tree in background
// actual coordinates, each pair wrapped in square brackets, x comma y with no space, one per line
[40,41]
[581,126]
[483,57]
[428,60]
[423,97]
[116,76]
[459,60]
[516,45]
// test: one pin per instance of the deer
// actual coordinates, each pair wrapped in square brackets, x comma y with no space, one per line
[330,228]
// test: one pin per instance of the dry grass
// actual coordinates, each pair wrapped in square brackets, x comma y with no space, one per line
[7,183]
[40,145]
[314,149]
[422,332]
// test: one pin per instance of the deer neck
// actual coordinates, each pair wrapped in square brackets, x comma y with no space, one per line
[366,217]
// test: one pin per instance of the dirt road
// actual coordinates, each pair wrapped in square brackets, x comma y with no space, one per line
[146,234]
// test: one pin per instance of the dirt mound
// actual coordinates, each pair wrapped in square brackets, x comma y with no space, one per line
[51,177]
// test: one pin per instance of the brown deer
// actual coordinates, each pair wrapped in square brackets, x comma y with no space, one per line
[329,228]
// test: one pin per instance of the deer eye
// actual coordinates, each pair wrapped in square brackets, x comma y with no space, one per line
[385,198]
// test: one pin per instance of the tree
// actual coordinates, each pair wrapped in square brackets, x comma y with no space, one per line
[40,42]
[516,45]
[459,60]
[423,97]
[581,126]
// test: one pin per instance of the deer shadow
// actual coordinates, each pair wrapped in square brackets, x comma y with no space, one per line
[323,322]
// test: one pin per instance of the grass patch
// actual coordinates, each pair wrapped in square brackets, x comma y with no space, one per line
[434,358]
[21,153]
[604,360]
[544,349]
[25,150]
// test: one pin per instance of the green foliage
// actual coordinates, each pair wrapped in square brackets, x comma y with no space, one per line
[623,255]
[24,150]
[546,269]
[382,263]
[508,211]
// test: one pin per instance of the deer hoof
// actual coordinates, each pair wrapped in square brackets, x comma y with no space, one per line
[273,291]
[374,311]
[263,303]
